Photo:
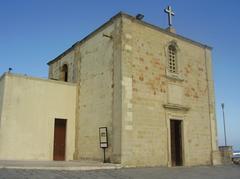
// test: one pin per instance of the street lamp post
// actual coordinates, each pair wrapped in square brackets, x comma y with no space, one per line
[225,136]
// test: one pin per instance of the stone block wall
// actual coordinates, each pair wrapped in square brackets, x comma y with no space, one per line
[96,94]
[147,87]
[95,67]
[123,84]
[55,69]
[226,153]
[2,87]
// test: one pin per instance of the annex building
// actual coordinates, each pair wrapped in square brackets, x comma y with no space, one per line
[151,88]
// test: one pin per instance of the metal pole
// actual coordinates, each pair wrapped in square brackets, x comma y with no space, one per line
[225,136]
[104,155]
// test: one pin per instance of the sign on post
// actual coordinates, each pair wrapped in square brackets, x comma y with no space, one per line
[103,137]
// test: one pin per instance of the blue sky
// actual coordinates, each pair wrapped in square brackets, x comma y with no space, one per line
[34,32]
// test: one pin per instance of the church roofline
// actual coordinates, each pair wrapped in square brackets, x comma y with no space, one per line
[87,37]
[169,33]
[132,18]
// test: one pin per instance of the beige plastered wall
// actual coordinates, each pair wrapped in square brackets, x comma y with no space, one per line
[29,111]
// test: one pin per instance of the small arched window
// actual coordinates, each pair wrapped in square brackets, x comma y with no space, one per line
[172,59]
[65,72]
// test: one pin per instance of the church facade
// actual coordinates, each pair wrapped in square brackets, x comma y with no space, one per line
[151,88]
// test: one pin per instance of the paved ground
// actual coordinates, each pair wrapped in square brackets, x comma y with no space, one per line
[219,172]
[57,165]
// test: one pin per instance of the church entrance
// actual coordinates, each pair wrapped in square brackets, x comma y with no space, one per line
[176,142]
[59,139]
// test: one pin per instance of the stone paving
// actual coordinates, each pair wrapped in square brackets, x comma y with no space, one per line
[203,172]
[57,165]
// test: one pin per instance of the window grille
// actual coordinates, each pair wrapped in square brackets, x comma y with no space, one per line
[172,59]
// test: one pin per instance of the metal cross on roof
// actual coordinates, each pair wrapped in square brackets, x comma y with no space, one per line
[170,13]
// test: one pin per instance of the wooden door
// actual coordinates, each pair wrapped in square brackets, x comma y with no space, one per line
[176,142]
[59,139]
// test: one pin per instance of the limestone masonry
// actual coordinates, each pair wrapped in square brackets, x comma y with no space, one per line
[151,88]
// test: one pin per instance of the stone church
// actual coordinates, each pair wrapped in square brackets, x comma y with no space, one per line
[150,87]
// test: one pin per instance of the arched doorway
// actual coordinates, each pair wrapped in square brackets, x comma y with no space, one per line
[64,75]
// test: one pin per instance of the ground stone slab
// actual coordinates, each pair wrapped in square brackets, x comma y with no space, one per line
[219,172]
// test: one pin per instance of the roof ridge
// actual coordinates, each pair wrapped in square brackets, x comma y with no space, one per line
[121,13]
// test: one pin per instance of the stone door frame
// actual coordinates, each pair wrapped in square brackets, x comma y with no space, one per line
[174,116]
